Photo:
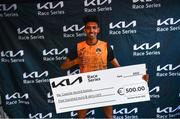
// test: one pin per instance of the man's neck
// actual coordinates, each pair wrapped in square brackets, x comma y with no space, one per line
[91,41]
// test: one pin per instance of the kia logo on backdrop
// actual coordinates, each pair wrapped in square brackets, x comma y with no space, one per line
[50,5]
[50,8]
[168,70]
[91,6]
[17,98]
[40,115]
[96,2]
[35,74]
[30,33]
[10,56]
[123,113]
[146,4]
[30,30]
[167,112]
[168,67]
[8,10]
[35,77]
[55,51]
[122,24]
[76,71]
[122,27]
[168,24]
[74,30]
[89,113]
[146,49]
[7,7]
[55,54]
[146,46]
[168,21]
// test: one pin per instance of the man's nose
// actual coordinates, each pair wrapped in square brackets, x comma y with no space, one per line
[91,29]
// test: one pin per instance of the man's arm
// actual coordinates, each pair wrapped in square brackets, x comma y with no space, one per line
[69,63]
[115,63]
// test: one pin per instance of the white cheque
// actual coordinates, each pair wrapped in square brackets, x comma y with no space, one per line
[100,88]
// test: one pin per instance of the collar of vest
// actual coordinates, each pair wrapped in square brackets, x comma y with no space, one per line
[92,44]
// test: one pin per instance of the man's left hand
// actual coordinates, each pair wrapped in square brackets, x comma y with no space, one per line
[146,77]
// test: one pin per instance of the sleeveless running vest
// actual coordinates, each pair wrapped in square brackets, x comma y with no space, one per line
[95,56]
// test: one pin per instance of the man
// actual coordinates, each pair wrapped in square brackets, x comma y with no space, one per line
[91,55]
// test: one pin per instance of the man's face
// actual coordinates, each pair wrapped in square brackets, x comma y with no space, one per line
[91,29]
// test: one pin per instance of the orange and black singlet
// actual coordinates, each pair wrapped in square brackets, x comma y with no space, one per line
[96,56]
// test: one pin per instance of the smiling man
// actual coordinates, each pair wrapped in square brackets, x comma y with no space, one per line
[91,54]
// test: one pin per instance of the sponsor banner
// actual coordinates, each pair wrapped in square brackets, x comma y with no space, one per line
[100,88]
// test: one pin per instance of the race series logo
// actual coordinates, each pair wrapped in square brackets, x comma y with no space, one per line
[169,24]
[145,4]
[10,56]
[168,112]
[17,98]
[168,70]
[50,8]
[146,49]
[125,113]
[91,6]
[30,33]
[54,54]
[122,27]
[74,30]
[35,77]
[8,10]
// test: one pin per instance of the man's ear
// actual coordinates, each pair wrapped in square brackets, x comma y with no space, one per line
[84,30]
[99,29]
